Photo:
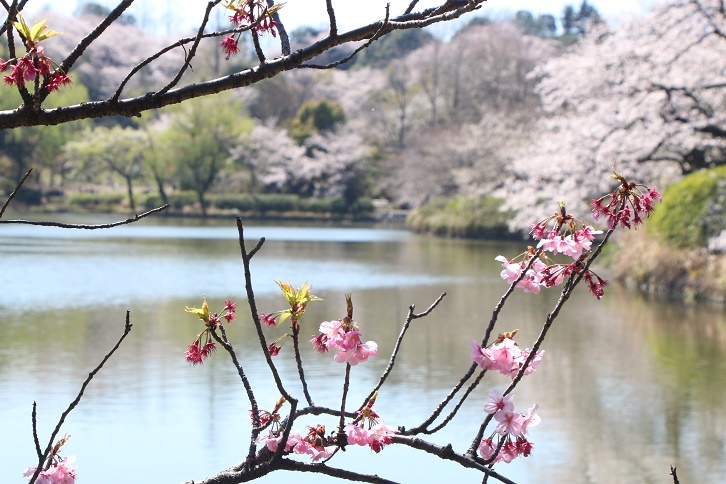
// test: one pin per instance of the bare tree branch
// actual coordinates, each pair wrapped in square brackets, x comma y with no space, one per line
[15,191]
[85,226]
[25,115]
[74,403]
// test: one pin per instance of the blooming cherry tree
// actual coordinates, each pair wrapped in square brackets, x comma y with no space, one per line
[647,96]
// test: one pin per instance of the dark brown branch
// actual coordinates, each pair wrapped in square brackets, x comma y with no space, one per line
[237,476]
[411,6]
[12,9]
[447,453]
[15,191]
[74,403]
[84,226]
[674,474]
[284,39]
[331,18]
[298,361]
[252,303]
[24,116]
[179,43]
[78,51]
[258,48]
[35,431]
[346,385]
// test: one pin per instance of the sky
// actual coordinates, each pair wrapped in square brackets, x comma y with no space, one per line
[350,13]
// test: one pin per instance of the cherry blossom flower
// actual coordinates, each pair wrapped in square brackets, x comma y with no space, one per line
[203,345]
[354,351]
[498,402]
[524,447]
[230,46]
[61,472]
[268,319]
[343,335]
[510,422]
[487,447]
[56,470]
[34,63]
[505,356]
[367,430]
[319,342]
[255,13]
[530,419]
[273,348]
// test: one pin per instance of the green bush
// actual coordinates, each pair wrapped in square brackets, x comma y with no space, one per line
[277,202]
[183,198]
[316,116]
[150,202]
[95,201]
[243,202]
[316,205]
[693,210]
[462,217]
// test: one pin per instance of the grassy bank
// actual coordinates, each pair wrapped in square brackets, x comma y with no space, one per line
[643,262]
[186,203]
[462,218]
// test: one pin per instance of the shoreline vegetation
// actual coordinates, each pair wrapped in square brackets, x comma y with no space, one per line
[640,260]
[643,262]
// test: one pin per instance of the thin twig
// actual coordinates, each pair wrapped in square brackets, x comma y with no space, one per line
[251,302]
[12,195]
[192,51]
[331,18]
[74,403]
[355,52]
[346,384]
[133,219]
[392,360]
[257,247]
[35,432]
[411,6]
[81,47]
[422,428]
[565,294]
[674,474]
[284,39]
[298,360]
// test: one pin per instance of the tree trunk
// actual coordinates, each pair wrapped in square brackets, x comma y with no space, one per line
[130,190]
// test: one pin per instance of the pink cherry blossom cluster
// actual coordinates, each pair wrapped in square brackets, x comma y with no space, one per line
[313,444]
[204,345]
[376,437]
[60,472]
[56,469]
[512,433]
[560,233]
[367,430]
[505,356]
[248,12]
[627,204]
[345,338]
[34,64]
[29,67]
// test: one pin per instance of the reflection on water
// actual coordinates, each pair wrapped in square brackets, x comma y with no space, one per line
[627,387]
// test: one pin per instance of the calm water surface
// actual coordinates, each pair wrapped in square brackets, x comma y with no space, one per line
[628,386]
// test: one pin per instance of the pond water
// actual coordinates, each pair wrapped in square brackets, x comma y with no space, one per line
[627,388]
